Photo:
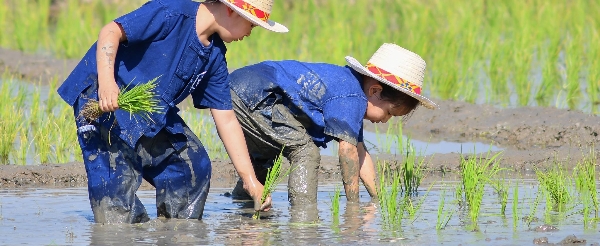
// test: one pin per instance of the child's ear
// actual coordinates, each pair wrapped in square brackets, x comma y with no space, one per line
[374,89]
[229,11]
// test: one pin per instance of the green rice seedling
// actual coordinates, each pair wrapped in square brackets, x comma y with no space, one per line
[274,177]
[476,172]
[34,112]
[554,184]
[24,145]
[199,123]
[140,100]
[52,100]
[42,141]
[515,205]
[443,217]
[412,171]
[574,63]
[64,138]
[411,208]
[501,188]
[533,211]
[585,182]
[388,194]
[10,122]
[335,202]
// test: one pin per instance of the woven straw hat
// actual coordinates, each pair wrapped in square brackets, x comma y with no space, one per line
[257,12]
[397,67]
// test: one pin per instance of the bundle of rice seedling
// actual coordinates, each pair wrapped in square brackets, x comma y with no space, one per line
[140,99]
[274,177]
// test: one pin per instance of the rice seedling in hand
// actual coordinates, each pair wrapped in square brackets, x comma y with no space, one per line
[140,100]
[274,177]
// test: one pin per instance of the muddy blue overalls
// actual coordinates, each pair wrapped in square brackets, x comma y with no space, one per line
[120,149]
[301,106]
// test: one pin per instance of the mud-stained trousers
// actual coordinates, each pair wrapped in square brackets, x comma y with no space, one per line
[115,172]
[269,128]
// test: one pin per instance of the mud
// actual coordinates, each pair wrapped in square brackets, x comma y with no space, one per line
[531,137]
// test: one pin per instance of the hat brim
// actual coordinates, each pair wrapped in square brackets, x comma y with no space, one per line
[355,64]
[269,25]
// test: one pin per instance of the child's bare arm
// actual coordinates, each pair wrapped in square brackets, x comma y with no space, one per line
[231,134]
[367,170]
[108,42]
[349,165]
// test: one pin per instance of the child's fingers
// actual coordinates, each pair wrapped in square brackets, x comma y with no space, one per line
[266,206]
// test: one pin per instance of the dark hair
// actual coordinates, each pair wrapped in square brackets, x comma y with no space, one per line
[397,97]
[211,1]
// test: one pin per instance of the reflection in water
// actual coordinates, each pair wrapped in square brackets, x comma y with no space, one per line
[63,217]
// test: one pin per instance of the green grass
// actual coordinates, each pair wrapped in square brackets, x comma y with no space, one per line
[512,48]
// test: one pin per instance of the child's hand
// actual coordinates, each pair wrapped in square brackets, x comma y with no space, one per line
[255,191]
[108,93]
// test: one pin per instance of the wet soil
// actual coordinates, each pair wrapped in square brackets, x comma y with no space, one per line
[531,137]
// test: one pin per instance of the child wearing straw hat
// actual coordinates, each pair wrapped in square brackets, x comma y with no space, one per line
[182,44]
[301,106]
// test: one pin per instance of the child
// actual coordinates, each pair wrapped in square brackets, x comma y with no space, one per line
[303,106]
[181,43]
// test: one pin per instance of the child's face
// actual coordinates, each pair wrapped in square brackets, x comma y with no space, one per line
[380,111]
[238,27]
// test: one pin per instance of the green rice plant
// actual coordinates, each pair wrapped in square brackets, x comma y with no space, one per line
[34,26]
[443,217]
[412,208]
[412,171]
[10,122]
[65,137]
[42,141]
[199,123]
[585,183]
[335,202]
[139,99]
[593,74]
[388,195]
[52,100]
[34,112]
[274,177]
[574,63]
[501,188]
[24,145]
[476,172]
[515,205]
[533,211]
[555,186]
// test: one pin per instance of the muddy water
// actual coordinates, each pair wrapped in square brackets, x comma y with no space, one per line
[63,217]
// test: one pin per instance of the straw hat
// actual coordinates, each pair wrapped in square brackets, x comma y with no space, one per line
[257,12]
[397,67]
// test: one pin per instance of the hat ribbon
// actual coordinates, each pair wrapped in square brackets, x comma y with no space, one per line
[250,9]
[394,79]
